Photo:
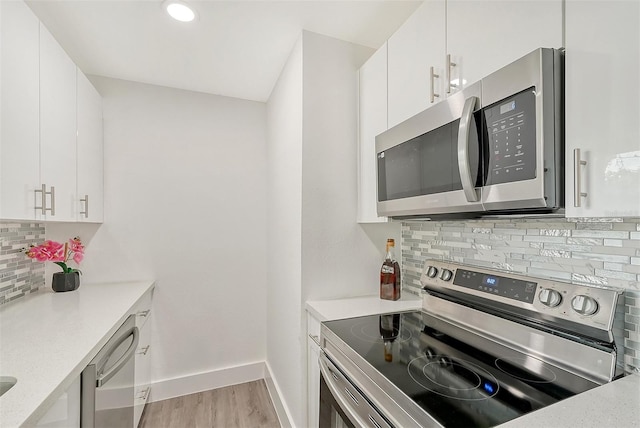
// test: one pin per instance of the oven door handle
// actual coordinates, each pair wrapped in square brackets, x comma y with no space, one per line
[463,149]
[330,375]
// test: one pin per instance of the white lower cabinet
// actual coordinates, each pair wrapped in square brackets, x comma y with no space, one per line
[65,411]
[313,371]
[143,356]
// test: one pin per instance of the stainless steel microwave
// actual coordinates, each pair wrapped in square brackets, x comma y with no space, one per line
[495,147]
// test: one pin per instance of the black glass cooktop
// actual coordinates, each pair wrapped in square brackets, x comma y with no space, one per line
[457,377]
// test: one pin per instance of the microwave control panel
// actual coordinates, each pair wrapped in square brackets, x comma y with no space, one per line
[512,144]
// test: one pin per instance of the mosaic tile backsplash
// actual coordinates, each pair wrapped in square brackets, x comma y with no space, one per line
[582,251]
[19,275]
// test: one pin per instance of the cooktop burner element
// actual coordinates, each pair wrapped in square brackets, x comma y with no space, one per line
[485,349]
[455,379]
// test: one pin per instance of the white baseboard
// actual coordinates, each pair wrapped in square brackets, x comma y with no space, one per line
[284,416]
[177,387]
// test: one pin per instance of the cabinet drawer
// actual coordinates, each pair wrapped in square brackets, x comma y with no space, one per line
[143,310]
[313,328]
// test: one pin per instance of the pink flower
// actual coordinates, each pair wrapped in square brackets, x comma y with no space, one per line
[77,257]
[76,246]
[49,251]
[60,254]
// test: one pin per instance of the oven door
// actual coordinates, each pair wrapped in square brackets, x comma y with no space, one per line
[341,402]
[433,163]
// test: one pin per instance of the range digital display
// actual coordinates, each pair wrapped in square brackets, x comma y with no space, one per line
[489,280]
[496,285]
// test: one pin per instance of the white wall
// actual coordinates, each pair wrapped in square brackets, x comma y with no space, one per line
[185,201]
[338,258]
[317,248]
[284,136]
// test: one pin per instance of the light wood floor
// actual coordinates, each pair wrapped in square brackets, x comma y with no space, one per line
[247,405]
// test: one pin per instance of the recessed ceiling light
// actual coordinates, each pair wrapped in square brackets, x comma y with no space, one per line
[179,10]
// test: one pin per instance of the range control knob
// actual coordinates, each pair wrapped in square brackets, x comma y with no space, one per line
[584,305]
[432,271]
[446,275]
[550,297]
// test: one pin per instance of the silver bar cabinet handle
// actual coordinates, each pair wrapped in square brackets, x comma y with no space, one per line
[463,150]
[43,204]
[43,199]
[315,338]
[449,65]
[86,206]
[432,77]
[143,394]
[578,194]
[53,201]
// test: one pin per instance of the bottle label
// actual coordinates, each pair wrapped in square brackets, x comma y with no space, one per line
[387,269]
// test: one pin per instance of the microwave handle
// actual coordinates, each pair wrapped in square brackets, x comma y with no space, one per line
[463,149]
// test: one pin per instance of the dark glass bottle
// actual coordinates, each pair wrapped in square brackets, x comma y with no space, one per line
[390,275]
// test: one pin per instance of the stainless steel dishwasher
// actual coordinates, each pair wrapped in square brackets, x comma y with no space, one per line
[108,381]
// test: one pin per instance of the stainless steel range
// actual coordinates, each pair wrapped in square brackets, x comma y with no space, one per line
[486,348]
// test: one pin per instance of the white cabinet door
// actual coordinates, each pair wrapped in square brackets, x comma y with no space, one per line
[602,64]
[313,372]
[89,152]
[313,384]
[57,127]
[143,312]
[485,35]
[373,121]
[418,45]
[20,140]
[65,411]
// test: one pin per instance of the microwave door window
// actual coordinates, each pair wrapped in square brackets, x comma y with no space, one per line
[402,170]
[438,160]
[427,164]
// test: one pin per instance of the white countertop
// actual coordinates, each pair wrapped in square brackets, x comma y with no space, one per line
[325,310]
[48,338]
[616,404]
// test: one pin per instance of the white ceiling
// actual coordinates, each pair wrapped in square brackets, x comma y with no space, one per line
[235,48]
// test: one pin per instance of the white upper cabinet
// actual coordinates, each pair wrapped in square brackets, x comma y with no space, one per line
[602,64]
[51,126]
[89,151]
[20,140]
[485,35]
[416,62]
[447,44]
[57,128]
[373,121]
